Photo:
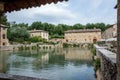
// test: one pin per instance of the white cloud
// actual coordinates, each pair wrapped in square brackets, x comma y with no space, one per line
[41,13]
[68,13]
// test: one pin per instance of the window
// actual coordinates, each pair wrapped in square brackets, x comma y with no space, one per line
[3,44]
[3,36]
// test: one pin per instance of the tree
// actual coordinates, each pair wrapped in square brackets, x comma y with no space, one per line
[36,25]
[101,26]
[78,26]
[4,20]
[18,34]
[90,26]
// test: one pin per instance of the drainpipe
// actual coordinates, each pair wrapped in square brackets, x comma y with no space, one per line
[118,40]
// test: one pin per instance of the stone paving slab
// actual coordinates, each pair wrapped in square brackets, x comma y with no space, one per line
[16,77]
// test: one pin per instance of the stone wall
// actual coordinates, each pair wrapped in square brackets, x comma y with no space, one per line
[108,67]
[29,46]
[17,77]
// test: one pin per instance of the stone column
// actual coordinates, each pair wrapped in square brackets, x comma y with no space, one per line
[118,40]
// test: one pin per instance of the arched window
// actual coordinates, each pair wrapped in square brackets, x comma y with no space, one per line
[3,44]
[3,36]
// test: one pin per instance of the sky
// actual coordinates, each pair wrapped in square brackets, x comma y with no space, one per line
[70,12]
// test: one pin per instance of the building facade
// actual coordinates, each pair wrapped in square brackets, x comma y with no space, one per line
[83,36]
[110,32]
[43,34]
[3,35]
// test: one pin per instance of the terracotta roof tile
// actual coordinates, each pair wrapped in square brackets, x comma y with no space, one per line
[83,30]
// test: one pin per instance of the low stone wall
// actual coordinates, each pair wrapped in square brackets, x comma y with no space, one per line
[28,46]
[16,77]
[108,68]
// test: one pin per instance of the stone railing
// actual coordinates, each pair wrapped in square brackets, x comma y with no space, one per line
[108,67]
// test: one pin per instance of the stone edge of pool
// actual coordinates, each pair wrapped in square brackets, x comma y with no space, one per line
[17,77]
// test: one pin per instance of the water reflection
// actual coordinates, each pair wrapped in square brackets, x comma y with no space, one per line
[3,61]
[58,64]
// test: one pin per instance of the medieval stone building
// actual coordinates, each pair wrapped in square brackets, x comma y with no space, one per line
[83,36]
[3,36]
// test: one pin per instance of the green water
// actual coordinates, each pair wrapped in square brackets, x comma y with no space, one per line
[58,64]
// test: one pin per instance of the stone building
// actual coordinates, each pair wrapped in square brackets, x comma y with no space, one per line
[83,36]
[110,32]
[43,34]
[60,40]
[3,35]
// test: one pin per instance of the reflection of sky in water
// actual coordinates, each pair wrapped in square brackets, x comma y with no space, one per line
[67,64]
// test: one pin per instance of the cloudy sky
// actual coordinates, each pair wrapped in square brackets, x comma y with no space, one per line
[71,12]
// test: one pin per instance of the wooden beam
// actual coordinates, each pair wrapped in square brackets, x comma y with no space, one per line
[55,1]
[36,1]
[1,6]
[118,40]
[46,1]
[1,10]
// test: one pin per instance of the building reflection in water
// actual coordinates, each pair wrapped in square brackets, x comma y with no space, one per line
[44,59]
[77,54]
[3,61]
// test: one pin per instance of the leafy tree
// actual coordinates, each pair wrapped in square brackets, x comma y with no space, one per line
[4,20]
[36,25]
[18,34]
[101,26]
[78,26]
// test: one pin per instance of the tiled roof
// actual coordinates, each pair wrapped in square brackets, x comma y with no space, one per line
[34,31]
[83,30]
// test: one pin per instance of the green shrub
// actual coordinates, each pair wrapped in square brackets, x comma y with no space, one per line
[43,47]
[49,47]
[34,47]
[39,47]
[21,48]
[97,64]
[91,45]
[93,51]
[27,48]
[46,47]
[75,45]
[65,45]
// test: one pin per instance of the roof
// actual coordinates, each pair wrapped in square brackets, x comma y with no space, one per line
[11,5]
[111,26]
[83,30]
[34,31]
